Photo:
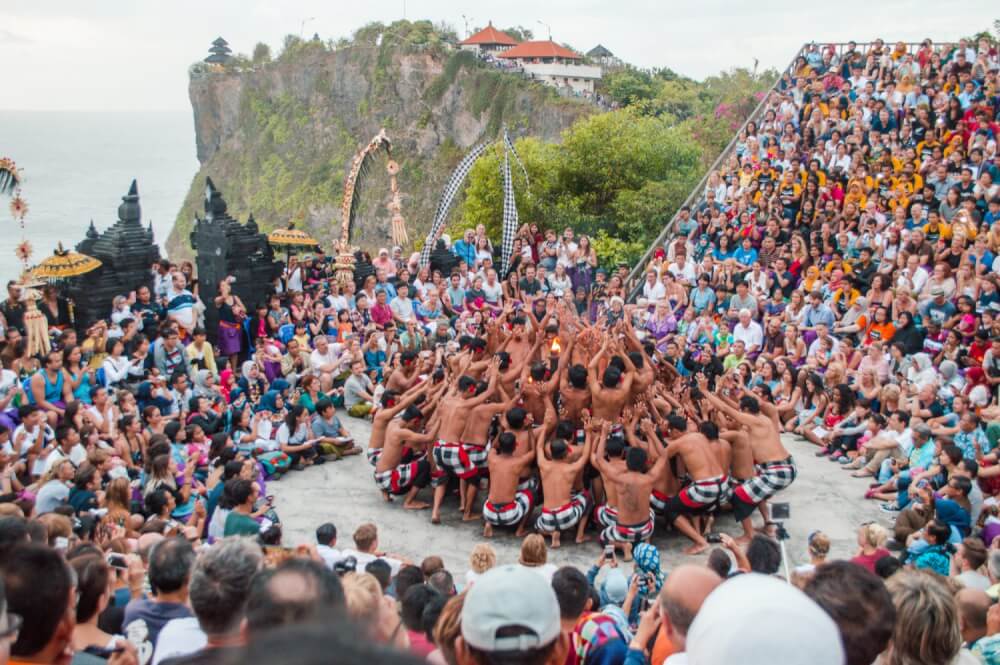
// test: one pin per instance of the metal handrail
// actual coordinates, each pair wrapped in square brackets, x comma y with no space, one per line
[699,189]
[755,116]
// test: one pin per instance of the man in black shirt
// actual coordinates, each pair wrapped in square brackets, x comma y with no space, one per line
[529,284]
[12,308]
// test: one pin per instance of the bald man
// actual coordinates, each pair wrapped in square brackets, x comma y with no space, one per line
[681,598]
[973,605]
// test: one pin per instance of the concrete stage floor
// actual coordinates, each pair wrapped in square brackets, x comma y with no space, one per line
[823,497]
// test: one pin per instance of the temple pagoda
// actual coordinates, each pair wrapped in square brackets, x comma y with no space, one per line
[220,53]
[127,253]
[227,248]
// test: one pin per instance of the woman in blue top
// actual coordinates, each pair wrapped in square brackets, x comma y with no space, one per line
[723,251]
[80,380]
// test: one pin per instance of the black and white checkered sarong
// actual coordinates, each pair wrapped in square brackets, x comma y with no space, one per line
[564,517]
[508,514]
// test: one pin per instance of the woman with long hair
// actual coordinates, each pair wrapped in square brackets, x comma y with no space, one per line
[231,314]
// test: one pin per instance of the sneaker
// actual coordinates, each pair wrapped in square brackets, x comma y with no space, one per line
[844,459]
[889,507]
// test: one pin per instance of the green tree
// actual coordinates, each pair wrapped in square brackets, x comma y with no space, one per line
[261,54]
[617,177]
[520,33]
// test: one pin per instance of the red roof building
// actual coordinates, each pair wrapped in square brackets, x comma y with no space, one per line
[540,50]
[489,36]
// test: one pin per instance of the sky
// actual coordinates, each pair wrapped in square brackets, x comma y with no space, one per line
[131,55]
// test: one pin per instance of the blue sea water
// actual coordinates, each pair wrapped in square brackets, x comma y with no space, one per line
[76,166]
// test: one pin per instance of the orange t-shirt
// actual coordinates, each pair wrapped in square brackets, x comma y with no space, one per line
[880,332]
[662,647]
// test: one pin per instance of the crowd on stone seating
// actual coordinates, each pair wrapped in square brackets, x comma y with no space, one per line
[839,272]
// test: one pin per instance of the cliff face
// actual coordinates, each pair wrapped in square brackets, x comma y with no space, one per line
[278,139]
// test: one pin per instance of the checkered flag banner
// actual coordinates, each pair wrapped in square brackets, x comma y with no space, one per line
[509,145]
[510,223]
[448,197]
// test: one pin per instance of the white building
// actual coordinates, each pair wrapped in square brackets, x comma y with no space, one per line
[554,65]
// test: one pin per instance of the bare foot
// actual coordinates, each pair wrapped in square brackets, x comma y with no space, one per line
[435,519]
[707,527]
[386,497]
[351,451]
[582,539]
[416,505]
[555,540]
[627,552]
[487,530]
[470,518]
[521,532]
[743,540]
[697,548]
[768,529]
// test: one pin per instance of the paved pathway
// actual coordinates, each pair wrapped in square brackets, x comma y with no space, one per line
[823,497]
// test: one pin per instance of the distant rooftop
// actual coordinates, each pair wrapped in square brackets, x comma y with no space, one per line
[540,49]
[600,52]
[490,35]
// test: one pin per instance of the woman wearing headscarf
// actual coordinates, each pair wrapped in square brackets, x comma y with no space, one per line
[908,334]
[646,582]
[922,371]
[266,421]
[252,381]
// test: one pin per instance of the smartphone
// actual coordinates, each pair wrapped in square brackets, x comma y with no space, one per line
[714,538]
[609,551]
[117,561]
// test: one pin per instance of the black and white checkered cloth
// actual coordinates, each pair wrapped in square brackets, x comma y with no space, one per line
[448,197]
[510,221]
[509,145]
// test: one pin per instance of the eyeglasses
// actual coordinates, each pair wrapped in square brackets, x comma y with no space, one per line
[14,622]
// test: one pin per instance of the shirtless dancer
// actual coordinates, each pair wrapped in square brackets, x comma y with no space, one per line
[633,485]
[392,405]
[609,394]
[450,456]
[477,429]
[507,505]
[709,486]
[776,469]
[396,475]
[562,508]
[406,375]
[610,453]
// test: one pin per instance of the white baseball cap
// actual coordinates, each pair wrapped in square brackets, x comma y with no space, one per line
[756,619]
[508,597]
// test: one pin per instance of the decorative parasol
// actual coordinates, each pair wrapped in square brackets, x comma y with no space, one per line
[64,264]
[291,240]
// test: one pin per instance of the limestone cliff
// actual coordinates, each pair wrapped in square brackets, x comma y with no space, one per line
[278,137]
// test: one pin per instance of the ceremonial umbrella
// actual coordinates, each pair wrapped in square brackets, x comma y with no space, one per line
[64,264]
[291,239]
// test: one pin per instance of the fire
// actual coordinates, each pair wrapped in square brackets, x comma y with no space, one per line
[556,347]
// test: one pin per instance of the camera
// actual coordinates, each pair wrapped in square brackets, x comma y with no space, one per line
[780,511]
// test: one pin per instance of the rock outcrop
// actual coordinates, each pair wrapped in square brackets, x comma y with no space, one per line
[279,137]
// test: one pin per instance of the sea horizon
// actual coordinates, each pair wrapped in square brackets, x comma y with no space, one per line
[76,166]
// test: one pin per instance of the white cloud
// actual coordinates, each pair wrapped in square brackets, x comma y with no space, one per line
[128,55]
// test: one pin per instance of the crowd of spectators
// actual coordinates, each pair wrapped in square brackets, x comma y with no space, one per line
[841,267]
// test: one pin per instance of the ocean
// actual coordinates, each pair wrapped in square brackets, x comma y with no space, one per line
[76,166]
